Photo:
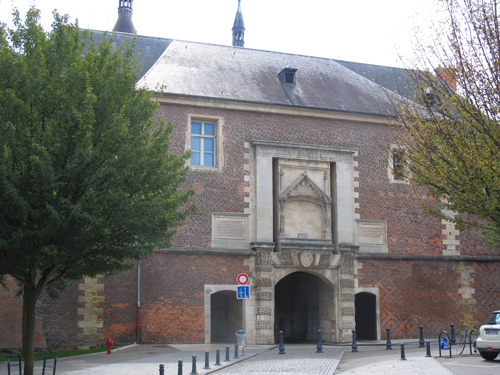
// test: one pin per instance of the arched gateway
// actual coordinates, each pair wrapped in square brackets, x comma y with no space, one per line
[303,304]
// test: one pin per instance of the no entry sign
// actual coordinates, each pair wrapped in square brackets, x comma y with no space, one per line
[242,279]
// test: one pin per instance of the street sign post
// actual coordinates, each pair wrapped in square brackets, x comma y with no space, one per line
[243,293]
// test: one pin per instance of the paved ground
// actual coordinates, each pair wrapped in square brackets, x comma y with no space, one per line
[299,359]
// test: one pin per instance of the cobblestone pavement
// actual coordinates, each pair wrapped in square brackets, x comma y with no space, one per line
[297,360]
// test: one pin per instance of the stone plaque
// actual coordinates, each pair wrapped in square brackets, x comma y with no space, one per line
[230,228]
[371,233]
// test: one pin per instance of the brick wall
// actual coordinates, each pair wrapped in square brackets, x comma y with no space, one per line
[414,293]
[172,303]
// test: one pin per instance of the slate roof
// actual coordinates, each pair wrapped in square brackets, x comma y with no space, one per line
[147,49]
[242,74]
[394,79]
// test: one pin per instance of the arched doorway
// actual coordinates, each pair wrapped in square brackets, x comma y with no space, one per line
[225,313]
[303,304]
[366,316]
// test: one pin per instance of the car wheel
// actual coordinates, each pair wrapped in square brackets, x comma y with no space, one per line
[488,356]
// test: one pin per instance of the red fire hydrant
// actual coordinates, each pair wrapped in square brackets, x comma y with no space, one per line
[109,344]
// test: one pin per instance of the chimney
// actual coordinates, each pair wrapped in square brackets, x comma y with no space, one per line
[447,76]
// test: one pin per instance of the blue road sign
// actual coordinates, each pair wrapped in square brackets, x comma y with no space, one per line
[444,343]
[243,292]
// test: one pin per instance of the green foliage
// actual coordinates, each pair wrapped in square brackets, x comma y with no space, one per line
[86,180]
[453,138]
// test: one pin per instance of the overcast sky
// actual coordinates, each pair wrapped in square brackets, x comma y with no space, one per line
[367,31]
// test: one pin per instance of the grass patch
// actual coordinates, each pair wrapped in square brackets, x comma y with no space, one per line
[39,356]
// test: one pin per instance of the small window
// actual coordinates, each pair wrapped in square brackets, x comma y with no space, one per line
[203,143]
[398,168]
[287,76]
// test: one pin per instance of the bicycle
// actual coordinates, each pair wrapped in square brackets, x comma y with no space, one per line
[467,337]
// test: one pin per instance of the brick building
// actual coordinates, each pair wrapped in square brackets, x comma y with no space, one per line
[295,189]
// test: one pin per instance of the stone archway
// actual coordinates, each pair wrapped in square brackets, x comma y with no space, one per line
[303,304]
[226,315]
[366,316]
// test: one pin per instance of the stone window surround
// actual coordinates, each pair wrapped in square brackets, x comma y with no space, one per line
[219,154]
[390,165]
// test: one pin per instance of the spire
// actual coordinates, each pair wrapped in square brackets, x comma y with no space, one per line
[124,23]
[239,28]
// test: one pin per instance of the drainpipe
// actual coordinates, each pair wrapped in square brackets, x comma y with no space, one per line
[138,323]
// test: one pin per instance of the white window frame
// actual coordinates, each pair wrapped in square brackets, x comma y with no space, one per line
[218,152]
[390,166]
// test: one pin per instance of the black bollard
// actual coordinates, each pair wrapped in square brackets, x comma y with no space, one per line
[453,340]
[388,345]
[236,352]
[207,359]
[193,369]
[428,344]
[162,369]
[179,367]
[227,355]
[421,343]
[319,347]
[282,347]
[354,344]
[403,357]
[217,358]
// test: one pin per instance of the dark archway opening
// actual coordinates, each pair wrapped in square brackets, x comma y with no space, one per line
[303,304]
[366,316]
[225,316]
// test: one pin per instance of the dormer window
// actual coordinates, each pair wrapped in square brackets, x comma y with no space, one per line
[287,76]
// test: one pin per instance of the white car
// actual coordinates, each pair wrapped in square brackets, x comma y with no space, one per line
[488,342]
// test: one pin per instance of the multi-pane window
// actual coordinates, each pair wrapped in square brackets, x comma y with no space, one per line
[203,143]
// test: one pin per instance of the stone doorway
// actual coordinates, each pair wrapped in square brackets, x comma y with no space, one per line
[225,313]
[366,316]
[303,304]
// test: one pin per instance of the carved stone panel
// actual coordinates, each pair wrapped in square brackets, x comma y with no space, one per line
[230,230]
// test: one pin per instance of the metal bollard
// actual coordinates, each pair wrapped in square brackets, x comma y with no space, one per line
[428,344]
[217,358]
[227,355]
[354,344]
[388,345]
[319,347]
[403,357]
[193,369]
[179,367]
[207,359]
[421,343]
[282,347]
[236,352]
[453,340]
[162,369]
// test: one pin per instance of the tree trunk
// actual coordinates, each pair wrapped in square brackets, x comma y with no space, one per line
[24,325]
[30,297]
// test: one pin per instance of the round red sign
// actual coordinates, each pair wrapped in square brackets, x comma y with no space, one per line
[242,279]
